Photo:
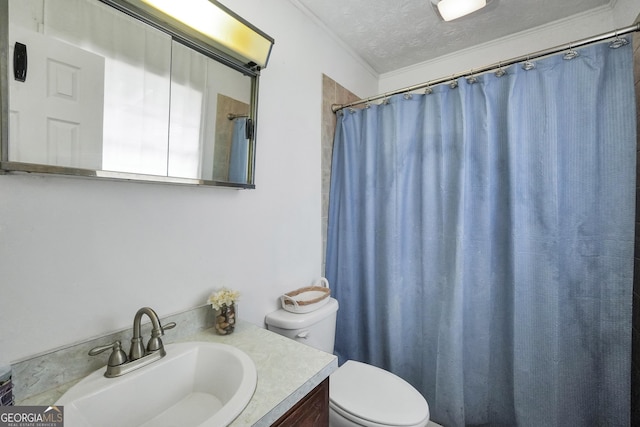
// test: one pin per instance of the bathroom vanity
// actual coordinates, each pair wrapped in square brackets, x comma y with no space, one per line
[292,387]
[312,410]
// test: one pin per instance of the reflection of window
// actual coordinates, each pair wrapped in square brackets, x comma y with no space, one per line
[188,111]
[137,73]
[135,129]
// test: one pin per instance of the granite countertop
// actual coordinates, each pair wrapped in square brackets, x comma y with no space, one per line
[287,371]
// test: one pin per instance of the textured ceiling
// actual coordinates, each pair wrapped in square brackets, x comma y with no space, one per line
[393,34]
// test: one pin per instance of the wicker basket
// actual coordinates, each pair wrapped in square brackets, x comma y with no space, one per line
[307,299]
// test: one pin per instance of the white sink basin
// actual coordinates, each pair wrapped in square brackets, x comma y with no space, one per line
[195,384]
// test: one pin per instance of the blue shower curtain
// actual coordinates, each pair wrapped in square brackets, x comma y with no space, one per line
[481,241]
[239,156]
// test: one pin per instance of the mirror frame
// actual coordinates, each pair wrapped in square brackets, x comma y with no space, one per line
[181,35]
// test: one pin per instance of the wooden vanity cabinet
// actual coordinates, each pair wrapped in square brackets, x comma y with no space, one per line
[311,411]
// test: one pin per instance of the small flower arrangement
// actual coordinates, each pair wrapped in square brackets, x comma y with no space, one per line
[222,297]
[223,301]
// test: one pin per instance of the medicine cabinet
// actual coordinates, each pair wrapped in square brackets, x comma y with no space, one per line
[106,89]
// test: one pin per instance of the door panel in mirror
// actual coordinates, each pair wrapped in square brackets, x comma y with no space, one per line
[57,106]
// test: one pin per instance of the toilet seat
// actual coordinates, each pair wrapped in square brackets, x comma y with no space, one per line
[372,397]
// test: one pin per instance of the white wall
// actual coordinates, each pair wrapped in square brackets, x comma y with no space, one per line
[618,14]
[78,257]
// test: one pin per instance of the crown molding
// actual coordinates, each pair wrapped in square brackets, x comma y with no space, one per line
[335,38]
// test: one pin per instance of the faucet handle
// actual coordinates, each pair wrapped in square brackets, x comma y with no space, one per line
[158,332]
[169,325]
[117,357]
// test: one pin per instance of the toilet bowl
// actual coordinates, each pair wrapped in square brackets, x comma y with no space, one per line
[364,395]
[360,395]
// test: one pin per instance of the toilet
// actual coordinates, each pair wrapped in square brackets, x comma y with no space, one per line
[360,395]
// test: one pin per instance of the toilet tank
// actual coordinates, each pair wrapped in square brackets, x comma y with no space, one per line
[316,328]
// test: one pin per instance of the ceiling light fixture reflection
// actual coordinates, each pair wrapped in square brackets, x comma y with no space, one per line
[454,9]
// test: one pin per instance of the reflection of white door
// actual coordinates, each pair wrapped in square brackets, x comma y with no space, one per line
[56,114]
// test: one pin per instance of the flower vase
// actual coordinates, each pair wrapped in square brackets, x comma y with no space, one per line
[226,319]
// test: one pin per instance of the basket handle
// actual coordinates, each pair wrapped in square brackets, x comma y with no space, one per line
[288,298]
[322,282]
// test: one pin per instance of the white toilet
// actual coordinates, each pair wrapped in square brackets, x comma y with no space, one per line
[359,394]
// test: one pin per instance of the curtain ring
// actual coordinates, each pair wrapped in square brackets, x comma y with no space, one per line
[407,96]
[618,42]
[471,79]
[428,90]
[528,65]
[570,54]
[454,83]
[500,71]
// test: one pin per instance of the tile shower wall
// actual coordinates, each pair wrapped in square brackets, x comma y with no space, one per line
[332,93]
[635,352]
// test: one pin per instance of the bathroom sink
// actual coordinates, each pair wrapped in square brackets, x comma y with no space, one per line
[195,384]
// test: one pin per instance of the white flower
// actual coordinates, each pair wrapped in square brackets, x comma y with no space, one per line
[222,297]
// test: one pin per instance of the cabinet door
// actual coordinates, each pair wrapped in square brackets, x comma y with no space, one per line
[311,411]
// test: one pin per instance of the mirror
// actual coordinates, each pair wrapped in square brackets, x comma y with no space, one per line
[94,91]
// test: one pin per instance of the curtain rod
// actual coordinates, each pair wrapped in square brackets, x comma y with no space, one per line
[568,46]
[232,116]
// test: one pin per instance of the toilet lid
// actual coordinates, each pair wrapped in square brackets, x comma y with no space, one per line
[372,394]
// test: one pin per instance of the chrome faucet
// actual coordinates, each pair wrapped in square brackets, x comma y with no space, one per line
[119,364]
